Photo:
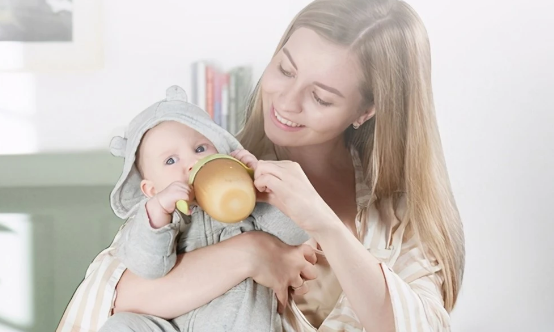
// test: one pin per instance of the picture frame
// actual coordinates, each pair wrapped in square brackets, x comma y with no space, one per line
[51,36]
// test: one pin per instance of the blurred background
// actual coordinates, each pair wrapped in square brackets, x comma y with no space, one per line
[73,73]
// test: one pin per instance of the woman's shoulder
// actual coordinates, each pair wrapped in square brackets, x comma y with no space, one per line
[97,291]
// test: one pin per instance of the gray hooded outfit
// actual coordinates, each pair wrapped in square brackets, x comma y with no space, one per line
[151,253]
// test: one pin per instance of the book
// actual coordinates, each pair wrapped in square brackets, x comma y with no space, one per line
[222,94]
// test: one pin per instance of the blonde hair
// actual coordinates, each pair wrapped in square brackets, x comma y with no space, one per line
[400,147]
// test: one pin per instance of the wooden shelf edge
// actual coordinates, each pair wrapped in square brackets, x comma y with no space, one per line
[86,168]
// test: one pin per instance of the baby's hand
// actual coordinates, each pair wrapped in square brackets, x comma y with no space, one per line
[162,205]
[168,197]
[245,157]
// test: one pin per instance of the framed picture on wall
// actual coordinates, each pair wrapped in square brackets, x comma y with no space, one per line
[50,35]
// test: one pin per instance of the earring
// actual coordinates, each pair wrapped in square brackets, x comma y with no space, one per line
[356,126]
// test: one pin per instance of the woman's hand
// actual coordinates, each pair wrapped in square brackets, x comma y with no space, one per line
[288,188]
[281,267]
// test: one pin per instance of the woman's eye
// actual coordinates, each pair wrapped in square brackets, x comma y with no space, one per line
[320,101]
[284,72]
[200,149]
[170,161]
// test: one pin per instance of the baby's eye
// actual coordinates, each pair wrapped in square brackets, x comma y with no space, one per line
[200,149]
[170,161]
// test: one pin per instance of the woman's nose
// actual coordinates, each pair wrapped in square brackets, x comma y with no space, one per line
[289,100]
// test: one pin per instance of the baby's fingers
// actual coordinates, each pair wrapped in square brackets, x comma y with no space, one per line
[245,157]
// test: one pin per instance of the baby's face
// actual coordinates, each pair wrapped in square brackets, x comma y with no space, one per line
[167,154]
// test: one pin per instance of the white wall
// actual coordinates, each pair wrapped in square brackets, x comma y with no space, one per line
[493,75]
[492,69]
[149,45]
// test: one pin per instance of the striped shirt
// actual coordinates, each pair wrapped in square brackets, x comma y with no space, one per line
[413,277]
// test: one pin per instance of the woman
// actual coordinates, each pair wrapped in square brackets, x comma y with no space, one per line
[343,121]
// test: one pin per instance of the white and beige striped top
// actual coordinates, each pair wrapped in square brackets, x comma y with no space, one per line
[414,282]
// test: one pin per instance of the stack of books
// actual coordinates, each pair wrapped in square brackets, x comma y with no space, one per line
[223,94]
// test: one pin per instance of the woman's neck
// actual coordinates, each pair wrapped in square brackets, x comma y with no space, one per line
[318,161]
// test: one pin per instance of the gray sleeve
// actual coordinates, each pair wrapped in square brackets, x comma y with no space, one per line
[147,252]
[271,220]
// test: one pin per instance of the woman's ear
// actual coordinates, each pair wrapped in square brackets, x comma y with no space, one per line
[147,188]
[366,115]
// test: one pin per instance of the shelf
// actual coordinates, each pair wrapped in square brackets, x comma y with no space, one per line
[89,168]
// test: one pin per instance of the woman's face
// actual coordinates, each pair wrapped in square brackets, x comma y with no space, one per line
[310,92]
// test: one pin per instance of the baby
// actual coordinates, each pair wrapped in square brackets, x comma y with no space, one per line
[160,147]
